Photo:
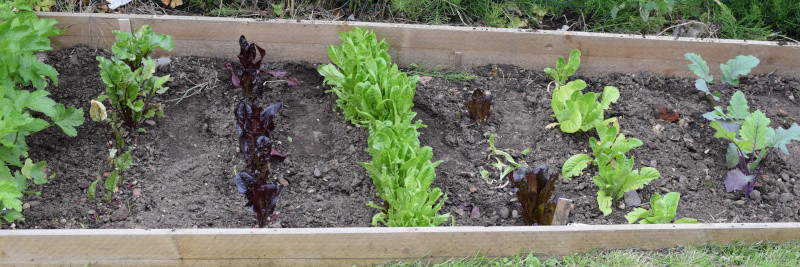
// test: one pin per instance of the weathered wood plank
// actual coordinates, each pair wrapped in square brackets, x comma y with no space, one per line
[435,45]
[345,246]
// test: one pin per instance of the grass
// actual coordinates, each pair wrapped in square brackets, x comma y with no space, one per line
[440,72]
[738,254]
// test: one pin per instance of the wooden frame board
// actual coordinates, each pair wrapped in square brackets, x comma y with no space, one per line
[450,46]
[346,246]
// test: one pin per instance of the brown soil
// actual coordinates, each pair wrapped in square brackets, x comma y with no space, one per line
[184,164]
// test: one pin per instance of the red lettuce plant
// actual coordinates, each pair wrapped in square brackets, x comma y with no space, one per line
[254,127]
[534,192]
[247,75]
[479,105]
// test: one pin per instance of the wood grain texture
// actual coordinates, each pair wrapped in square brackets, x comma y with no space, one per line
[435,45]
[346,246]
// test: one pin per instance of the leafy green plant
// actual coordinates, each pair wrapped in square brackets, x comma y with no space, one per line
[372,92]
[752,141]
[134,48]
[368,86]
[130,84]
[402,172]
[741,65]
[564,69]
[645,7]
[616,175]
[120,163]
[576,111]
[499,157]
[21,35]
[534,191]
[662,210]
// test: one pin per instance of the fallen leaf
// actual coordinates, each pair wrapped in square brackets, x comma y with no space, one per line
[172,3]
[666,114]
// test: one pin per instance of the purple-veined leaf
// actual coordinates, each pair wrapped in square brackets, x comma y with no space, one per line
[737,180]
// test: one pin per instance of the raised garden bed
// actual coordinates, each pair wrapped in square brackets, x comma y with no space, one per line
[184,164]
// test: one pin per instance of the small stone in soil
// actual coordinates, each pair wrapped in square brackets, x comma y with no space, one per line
[514,214]
[504,212]
[785,177]
[137,192]
[785,197]
[473,189]
[119,215]
[632,198]
[664,190]
[26,206]
[682,179]
[756,195]
[317,173]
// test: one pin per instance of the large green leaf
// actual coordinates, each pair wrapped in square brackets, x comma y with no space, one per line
[575,165]
[699,67]
[740,65]
[783,137]
[756,130]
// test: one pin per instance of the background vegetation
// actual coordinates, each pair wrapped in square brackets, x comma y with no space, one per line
[731,19]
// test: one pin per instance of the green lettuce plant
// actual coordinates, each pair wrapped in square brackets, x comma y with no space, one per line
[576,111]
[564,69]
[21,35]
[402,172]
[752,141]
[662,210]
[373,92]
[368,85]
[616,175]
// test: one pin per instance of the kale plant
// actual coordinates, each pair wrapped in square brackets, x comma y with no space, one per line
[662,210]
[254,126]
[752,141]
[616,174]
[21,35]
[534,192]
[741,65]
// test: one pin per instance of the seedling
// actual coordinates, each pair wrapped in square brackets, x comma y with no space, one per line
[479,106]
[661,211]
[130,84]
[534,192]
[576,111]
[616,174]
[254,126]
[741,65]
[563,69]
[751,141]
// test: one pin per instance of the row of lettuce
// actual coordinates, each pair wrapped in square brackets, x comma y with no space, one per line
[373,93]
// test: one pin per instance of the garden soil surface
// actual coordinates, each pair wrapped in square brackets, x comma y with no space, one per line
[185,162]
